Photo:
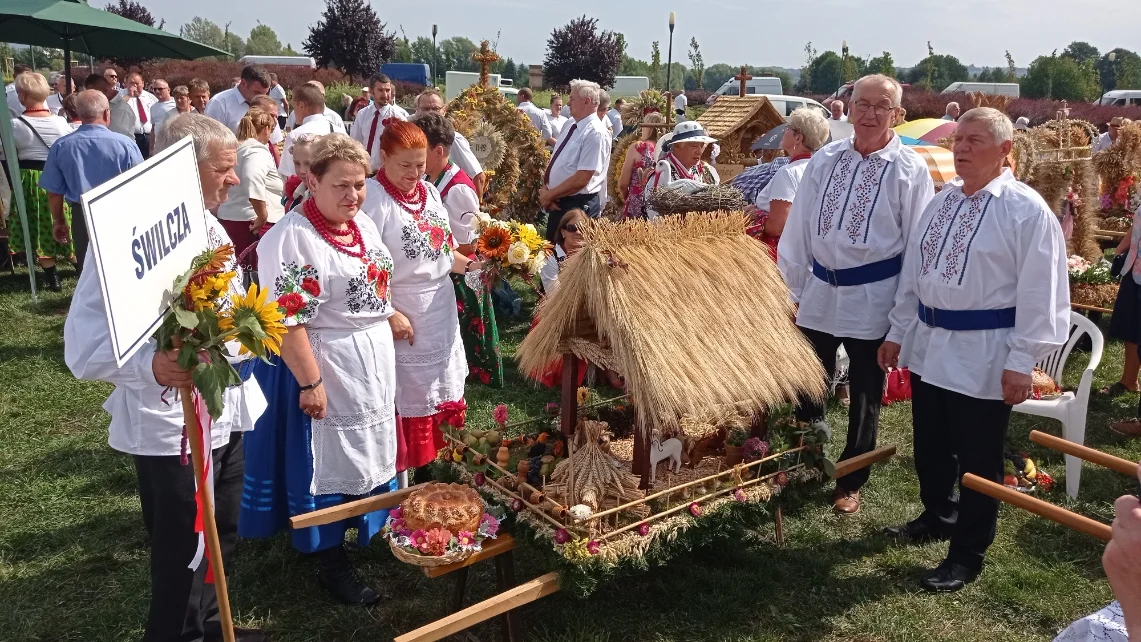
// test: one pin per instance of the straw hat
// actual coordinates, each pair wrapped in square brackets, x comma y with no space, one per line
[691,131]
[1117,121]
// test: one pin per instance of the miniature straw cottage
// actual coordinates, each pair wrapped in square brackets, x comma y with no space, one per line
[737,122]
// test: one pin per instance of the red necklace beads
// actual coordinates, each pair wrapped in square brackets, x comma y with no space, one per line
[322,226]
[407,203]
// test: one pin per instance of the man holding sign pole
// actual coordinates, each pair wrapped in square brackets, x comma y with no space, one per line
[146,420]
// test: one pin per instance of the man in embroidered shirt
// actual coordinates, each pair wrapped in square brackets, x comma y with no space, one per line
[841,253]
[576,172]
[984,295]
[369,124]
[229,106]
[460,150]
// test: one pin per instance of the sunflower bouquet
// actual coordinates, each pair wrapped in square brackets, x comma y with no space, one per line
[203,316]
[510,247]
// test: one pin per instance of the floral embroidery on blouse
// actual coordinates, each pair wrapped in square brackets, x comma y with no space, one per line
[862,198]
[429,235]
[297,289]
[934,234]
[834,192]
[948,237]
[964,235]
[369,290]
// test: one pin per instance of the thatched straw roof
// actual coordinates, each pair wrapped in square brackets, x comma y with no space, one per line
[689,309]
[729,114]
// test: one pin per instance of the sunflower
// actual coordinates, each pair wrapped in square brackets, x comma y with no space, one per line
[268,315]
[197,295]
[215,259]
[493,242]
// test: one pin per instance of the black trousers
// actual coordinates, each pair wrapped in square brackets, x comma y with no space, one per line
[144,143]
[591,204]
[865,392]
[183,607]
[79,235]
[955,434]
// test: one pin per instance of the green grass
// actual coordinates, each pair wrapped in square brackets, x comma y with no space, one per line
[73,553]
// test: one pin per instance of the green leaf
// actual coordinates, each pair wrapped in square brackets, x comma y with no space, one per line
[212,378]
[186,318]
[188,356]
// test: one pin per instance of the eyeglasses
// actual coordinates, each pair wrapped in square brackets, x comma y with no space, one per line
[879,110]
[571,227]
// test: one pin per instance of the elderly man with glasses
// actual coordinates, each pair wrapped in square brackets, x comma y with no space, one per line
[841,253]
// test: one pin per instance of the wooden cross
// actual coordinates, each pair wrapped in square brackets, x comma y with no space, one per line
[743,76]
[485,58]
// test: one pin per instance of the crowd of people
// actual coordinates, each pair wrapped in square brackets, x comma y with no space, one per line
[364,235]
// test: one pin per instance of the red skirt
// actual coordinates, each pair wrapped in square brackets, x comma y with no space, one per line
[419,439]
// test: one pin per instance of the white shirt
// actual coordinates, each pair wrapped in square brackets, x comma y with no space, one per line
[259,181]
[557,123]
[842,119]
[680,103]
[1101,142]
[228,107]
[28,146]
[550,272]
[332,116]
[141,422]
[277,93]
[54,103]
[999,248]
[316,124]
[850,211]
[159,112]
[14,104]
[462,204]
[538,119]
[125,119]
[362,127]
[463,156]
[588,148]
[615,121]
[783,186]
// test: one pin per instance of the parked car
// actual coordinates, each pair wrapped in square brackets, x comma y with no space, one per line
[992,88]
[763,85]
[1121,98]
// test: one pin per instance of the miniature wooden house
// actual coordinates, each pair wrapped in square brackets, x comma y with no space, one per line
[737,122]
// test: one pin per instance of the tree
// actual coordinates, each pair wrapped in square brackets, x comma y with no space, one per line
[131,10]
[263,42]
[507,69]
[986,75]
[1060,78]
[423,51]
[233,43]
[656,66]
[350,37]
[883,64]
[1123,72]
[206,32]
[1081,52]
[456,54]
[825,73]
[578,50]
[806,70]
[937,71]
[403,51]
[1011,70]
[288,50]
[697,64]
[523,75]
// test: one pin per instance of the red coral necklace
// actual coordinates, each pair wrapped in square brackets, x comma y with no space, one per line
[406,202]
[322,226]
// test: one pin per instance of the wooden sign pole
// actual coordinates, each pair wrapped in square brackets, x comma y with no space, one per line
[1123,466]
[209,526]
[1051,512]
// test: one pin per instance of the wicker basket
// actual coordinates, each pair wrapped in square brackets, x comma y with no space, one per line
[428,561]
[716,198]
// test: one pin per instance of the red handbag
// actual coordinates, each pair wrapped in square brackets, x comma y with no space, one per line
[897,386]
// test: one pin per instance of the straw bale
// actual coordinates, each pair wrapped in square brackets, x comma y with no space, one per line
[693,311]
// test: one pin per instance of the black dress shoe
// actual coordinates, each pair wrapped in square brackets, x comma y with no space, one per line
[337,575]
[915,532]
[948,578]
[52,277]
[240,634]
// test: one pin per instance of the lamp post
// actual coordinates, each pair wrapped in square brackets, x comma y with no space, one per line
[844,62]
[670,56]
[1112,60]
[435,61]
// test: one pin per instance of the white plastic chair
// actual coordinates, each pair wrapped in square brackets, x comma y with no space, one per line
[1070,408]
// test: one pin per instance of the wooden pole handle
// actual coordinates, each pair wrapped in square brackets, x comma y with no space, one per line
[1123,466]
[846,466]
[1051,512]
[209,526]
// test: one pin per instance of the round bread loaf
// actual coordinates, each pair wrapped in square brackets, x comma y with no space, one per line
[454,507]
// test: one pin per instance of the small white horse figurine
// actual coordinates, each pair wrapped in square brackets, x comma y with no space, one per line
[659,450]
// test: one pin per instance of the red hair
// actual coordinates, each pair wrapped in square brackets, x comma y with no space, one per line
[400,135]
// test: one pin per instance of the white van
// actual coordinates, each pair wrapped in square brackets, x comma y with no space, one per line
[1121,98]
[627,86]
[763,85]
[785,105]
[992,88]
[289,61]
[457,81]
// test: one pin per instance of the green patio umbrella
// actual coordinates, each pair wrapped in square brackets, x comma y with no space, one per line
[74,26]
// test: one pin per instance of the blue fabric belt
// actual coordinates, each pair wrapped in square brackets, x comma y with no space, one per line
[246,369]
[966,319]
[859,275]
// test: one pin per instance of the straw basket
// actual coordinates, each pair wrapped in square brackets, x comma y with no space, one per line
[428,561]
[715,198]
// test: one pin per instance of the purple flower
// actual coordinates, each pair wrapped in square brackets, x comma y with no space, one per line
[739,495]
[592,547]
[643,529]
[489,525]
[517,505]
[396,513]
[755,448]
[695,509]
[480,479]
[562,536]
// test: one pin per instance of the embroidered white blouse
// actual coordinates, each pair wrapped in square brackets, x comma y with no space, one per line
[850,211]
[1107,625]
[999,248]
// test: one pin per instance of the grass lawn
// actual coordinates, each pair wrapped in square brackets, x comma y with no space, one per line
[73,552]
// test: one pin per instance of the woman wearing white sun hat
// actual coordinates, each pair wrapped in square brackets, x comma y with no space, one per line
[680,164]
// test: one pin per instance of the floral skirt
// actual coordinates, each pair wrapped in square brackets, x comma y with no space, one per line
[44,245]
[479,333]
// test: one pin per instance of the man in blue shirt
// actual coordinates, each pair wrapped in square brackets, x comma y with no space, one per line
[81,161]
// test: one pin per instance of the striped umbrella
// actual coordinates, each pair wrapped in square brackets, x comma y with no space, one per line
[940,162]
[928,130]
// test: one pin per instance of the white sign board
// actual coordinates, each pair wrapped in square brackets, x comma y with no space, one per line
[146,226]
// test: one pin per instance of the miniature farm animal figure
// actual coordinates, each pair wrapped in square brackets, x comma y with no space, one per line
[710,444]
[659,450]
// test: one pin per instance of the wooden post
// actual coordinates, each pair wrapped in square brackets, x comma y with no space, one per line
[209,526]
[780,526]
[639,467]
[642,458]
[1080,523]
[569,410]
[743,76]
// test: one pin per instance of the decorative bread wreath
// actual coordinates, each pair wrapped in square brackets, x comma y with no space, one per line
[487,145]
[513,192]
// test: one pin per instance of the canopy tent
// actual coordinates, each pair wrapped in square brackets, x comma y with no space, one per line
[74,26]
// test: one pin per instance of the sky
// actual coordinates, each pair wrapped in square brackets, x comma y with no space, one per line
[754,32]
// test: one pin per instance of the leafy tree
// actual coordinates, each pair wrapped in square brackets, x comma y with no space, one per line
[456,54]
[403,51]
[578,50]
[761,72]
[634,67]
[206,32]
[350,37]
[507,69]
[38,58]
[131,10]
[697,64]
[1060,78]
[263,42]
[1124,72]
[656,66]
[937,71]
[233,44]
[522,75]
[806,70]
[1081,52]
[288,50]
[423,51]
[883,64]
[677,77]
[825,73]
[985,76]
[1011,70]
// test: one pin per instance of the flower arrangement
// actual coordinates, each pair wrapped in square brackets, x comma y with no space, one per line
[1091,283]
[511,247]
[205,314]
[437,542]
[1120,198]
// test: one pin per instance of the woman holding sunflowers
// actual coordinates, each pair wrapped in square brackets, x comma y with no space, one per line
[329,435]
[431,364]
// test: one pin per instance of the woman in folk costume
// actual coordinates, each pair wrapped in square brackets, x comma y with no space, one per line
[641,158]
[329,435]
[460,196]
[430,361]
[680,165]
